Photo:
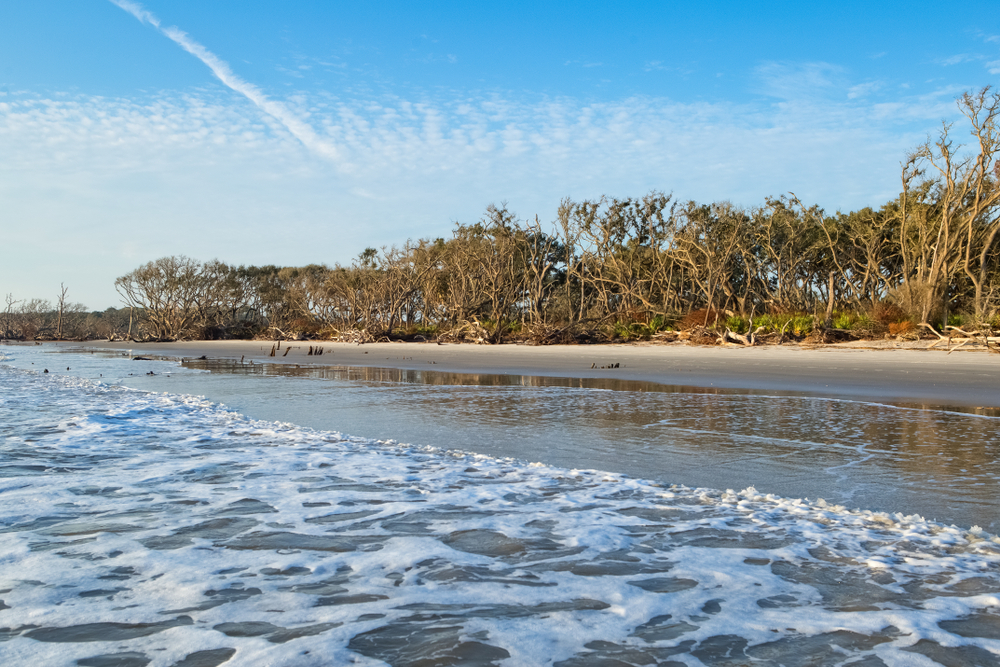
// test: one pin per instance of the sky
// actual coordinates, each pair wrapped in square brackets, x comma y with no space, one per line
[299,133]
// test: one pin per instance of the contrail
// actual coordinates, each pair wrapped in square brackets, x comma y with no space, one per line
[221,70]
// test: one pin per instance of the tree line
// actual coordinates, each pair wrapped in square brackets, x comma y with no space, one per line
[41,319]
[613,267]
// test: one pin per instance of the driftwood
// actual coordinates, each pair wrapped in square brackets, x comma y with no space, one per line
[963,342]
[781,336]
[933,330]
[357,336]
[750,339]
[541,334]
[974,337]
[730,335]
[470,331]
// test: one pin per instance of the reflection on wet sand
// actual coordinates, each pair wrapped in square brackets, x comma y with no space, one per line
[925,459]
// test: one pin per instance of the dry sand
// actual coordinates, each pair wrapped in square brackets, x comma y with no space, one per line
[929,377]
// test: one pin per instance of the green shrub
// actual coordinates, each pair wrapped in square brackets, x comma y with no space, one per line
[843,321]
[632,330]
[802,325]
[775,323]
[639,330]
[736,323]
[507,327]
[426,330]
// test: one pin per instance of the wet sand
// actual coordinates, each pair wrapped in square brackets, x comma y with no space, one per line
[930,377]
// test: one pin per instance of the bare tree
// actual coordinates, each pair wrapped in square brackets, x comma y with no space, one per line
[8,322]
[541,254]
[982,216]
[949,219]
[167,293]
[61,305]
[707,243]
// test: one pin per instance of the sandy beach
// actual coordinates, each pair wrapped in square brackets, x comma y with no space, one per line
[932,377]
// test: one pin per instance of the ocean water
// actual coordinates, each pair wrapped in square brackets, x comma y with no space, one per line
[941,463]
[144,527]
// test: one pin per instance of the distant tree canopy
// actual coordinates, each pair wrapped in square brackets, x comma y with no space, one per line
[606,263]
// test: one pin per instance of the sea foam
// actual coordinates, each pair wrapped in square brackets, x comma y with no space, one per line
[144,528]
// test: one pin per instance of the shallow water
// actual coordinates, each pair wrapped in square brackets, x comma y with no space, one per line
[148,528]
[941,463]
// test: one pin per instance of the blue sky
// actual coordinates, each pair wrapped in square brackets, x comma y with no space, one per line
[295,133]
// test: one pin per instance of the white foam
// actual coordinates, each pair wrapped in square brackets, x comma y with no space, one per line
[122,506]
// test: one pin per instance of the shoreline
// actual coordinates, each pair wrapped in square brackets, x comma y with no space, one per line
[899,374]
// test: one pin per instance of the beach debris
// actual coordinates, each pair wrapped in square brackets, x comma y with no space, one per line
[748,339]
[287,350]
[966,337]
[544,334]
[781,336]
[358,336]
[272,350]
[141,359]
[468,331]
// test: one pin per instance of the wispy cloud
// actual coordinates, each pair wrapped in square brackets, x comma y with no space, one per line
[108,176]
[863,89]
[138,11]
[956,59]
[479,148]
[796,81]
[300,130]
